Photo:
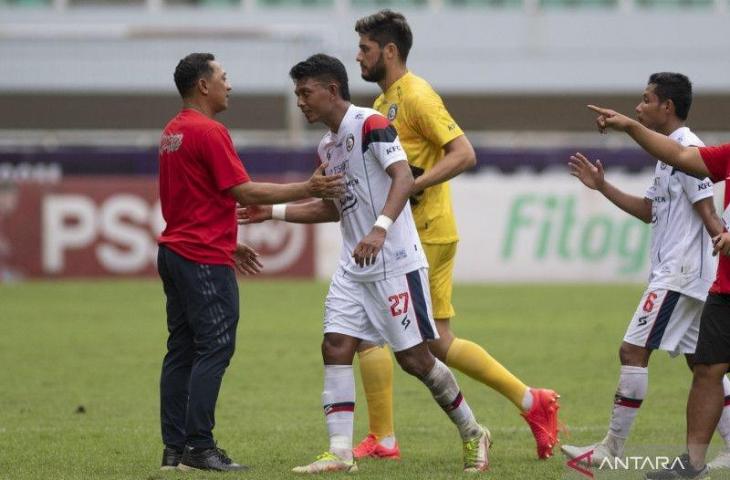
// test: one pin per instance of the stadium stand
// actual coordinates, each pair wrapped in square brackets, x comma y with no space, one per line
[495,62]
[681,5]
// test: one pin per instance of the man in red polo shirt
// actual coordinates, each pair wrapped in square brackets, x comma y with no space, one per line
[712,358]
[201,179]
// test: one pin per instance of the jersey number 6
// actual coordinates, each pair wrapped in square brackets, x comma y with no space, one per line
[649,304]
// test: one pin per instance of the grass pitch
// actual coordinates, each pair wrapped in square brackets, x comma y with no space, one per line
[81,360]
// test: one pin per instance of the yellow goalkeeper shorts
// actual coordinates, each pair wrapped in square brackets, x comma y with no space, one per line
[440,277]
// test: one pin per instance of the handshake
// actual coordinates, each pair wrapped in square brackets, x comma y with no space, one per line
[326,186]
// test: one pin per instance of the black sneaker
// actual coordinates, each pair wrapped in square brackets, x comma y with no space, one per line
[208,459]
[171,458]
[681,468]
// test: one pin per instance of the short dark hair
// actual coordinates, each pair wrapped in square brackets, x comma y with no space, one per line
[322,67]
[386,27]
[675,87]
[190,69]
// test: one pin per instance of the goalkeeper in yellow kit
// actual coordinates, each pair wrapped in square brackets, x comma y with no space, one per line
[437,151]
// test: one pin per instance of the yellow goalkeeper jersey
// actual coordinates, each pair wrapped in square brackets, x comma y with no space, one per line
[424,126]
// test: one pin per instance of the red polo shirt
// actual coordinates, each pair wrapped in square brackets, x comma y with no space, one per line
[198,164]
[717,160]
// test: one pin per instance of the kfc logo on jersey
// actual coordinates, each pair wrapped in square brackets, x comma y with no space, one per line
[392,112]
[350,142]
[704,186]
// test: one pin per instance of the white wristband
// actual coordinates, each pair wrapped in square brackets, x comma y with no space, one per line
[278,211]
[383,222]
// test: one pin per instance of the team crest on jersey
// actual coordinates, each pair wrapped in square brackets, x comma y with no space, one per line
[392,112]
[350,142]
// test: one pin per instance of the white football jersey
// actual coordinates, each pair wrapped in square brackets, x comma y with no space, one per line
[681,248]
[363,147]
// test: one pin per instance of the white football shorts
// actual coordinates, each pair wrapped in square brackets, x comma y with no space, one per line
[396,311]
[666,320]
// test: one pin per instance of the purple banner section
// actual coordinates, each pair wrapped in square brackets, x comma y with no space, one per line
[273,161]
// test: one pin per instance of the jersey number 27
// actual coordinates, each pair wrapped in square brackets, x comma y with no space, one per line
[398,304]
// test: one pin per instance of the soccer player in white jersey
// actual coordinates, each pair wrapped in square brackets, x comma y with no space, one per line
[379,292]
[681,211]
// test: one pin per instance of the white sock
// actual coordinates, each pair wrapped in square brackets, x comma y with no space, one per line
[723,426]
[338,401]
[527,400]
[445,391]
[632,386]
[387,442]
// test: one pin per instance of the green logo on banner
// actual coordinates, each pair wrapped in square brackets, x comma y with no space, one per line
[548,224]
